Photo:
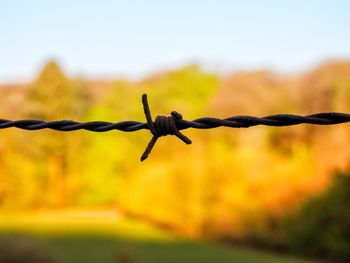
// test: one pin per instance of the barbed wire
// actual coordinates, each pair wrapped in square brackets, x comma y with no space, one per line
[171,125]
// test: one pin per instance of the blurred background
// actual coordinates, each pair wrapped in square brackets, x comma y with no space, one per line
[263,194]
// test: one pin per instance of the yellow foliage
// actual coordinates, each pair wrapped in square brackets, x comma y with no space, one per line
[226,183]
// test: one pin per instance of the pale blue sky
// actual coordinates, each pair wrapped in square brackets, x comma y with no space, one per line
[135,38]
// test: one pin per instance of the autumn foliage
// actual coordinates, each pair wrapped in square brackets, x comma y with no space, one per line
[230,183]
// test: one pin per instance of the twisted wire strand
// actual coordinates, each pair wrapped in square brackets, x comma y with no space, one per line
[201,123]
[171,125]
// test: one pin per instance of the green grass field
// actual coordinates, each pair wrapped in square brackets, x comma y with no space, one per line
[106,237]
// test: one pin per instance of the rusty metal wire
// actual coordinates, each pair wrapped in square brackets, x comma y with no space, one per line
[171,125]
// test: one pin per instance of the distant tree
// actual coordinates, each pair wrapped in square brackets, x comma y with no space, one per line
[53,96]
[322,226]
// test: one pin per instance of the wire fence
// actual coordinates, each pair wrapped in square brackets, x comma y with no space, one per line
[171,125]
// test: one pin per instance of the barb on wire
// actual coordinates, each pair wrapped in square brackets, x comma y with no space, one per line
[171,125]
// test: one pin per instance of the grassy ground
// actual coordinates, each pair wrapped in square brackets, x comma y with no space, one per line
[103,237]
